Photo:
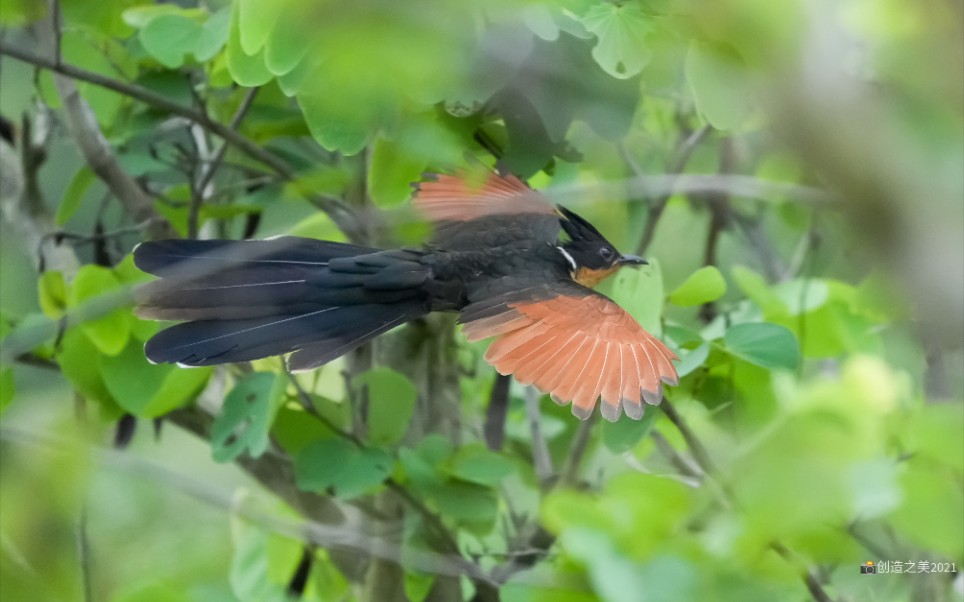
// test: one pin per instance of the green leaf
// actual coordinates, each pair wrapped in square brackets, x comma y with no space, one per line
[109,332]
[418,586]
[6,387]
[623,435]
[422,463]
[640,292]
[213,35]
[180,386]
[470,503]
[245,419]
[393,168]
[391,398]
[614,577]
[245,69]
[151,592]
[250,576]
[703,286]
[290,42]
[131,379]
[755,287]
[52,294]
[693,360]
[540,21]
[342,468]
[74,194]
[621,31]
[78,360]
[718,81]
[15,13]
[336,133]
[139,16]
[149,390]
[477,464]
[294,429]
[763,344]
[169,37]
[256,19]
[803,295]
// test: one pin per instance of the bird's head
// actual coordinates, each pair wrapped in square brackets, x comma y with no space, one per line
[591,256]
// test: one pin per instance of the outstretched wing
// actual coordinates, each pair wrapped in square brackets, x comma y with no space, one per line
[575,344]
[474,212]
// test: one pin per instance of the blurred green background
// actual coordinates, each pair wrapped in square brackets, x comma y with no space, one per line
[793,170]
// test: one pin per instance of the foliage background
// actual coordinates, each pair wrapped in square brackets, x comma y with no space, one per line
[794,170]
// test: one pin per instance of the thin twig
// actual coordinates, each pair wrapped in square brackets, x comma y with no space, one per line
[755,235]
[813,584]
[541,459]
[719,205]
[83,552]
[58,32]
[699,452]
[684,466]
[570,470]
[209,169]
[658,205]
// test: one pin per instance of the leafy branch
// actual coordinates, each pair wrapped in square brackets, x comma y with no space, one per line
[340,213]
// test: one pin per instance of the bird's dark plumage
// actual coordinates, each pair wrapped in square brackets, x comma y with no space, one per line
[496,257]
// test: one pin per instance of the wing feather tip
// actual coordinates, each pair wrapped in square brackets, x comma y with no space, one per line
[582,413]
[609,411]
[653,397]
[633,409]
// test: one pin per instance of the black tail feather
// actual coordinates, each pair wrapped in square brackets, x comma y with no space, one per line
[321,335]
[163,257]
[252,299]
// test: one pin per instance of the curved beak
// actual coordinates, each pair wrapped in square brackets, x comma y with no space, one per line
[632,260]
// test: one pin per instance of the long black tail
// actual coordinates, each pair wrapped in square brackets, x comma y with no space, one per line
[246,300]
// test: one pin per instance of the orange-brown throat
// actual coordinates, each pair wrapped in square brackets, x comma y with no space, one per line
[590,277]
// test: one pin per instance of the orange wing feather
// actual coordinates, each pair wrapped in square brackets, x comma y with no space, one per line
[463,197]
[579,349]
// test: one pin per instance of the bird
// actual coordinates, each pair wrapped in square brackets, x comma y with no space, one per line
[516,269]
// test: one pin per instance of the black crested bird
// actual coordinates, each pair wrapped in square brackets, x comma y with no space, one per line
[496,257]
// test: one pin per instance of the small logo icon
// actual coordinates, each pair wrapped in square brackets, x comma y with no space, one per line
[868,568]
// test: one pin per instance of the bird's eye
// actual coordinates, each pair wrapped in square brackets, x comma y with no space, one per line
[606,253]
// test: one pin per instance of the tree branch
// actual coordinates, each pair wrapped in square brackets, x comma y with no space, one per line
[684,151]
[541,460]
[22,202]
[702,459]
[94,147]
[210,168]
[569,475]
[338,211]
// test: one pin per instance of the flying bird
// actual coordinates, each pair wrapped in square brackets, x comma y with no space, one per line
[514,267]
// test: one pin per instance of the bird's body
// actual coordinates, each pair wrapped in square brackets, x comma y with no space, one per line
[496,258]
